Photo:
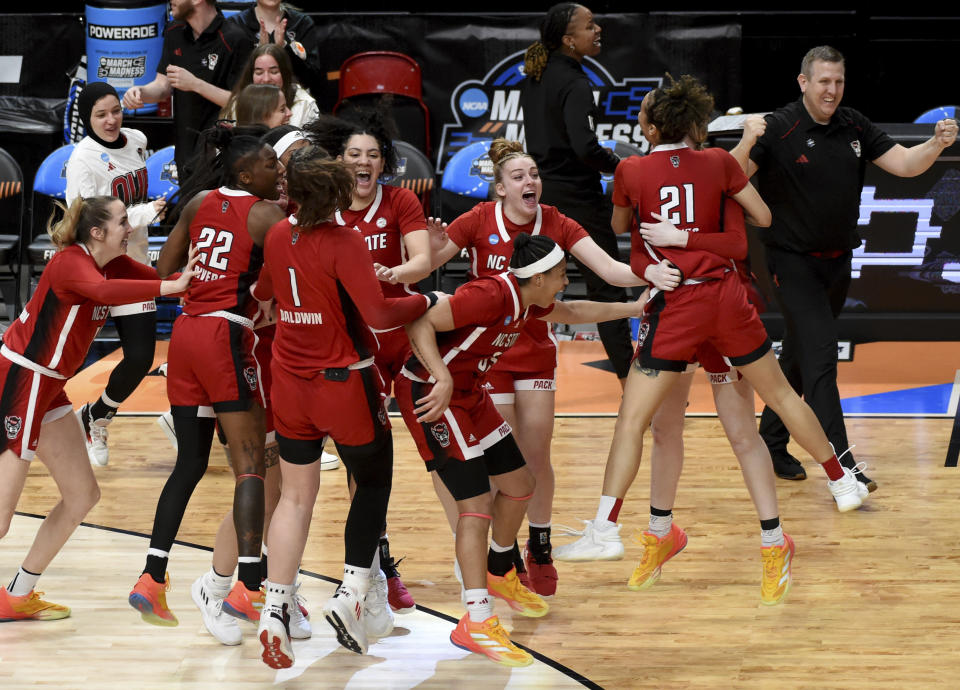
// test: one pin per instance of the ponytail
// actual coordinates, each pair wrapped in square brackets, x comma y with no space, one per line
[552,30]
[533,254]
[78,220]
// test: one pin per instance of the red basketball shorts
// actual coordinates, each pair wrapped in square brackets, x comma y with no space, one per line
[393,351]
[29,400]
[263,353]
[211,362]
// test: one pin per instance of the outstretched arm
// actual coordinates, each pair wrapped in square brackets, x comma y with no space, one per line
[423,341]
[584,311]
[910,162]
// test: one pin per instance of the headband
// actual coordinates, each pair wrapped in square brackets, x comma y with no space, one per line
[286,140]
[540,265]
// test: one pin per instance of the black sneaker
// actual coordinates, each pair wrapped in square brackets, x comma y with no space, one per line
[786,466]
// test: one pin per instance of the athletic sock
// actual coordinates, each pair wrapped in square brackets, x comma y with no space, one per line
[276,595]
[157,564]
[608,511]
[357,579]
[499,559]
[771,533]
[218,582]
[660,522]
[517,558]
[479,605]
[263,563]
[22,583]
[540,546]
[833,468]
[103,409]
[248,572]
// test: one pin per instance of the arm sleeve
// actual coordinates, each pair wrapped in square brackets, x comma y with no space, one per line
[82,279]
[167,53]
[409,211]
[732,242]
[141,214]
[355,272]
[463,230]
[577,107]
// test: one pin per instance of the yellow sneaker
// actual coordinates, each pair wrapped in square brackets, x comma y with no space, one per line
[29,607]
[520,599]
[777,574]
[656,552]
[150,599]
[490,639]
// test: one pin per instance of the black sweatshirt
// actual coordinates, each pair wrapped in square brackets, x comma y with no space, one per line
[560,116]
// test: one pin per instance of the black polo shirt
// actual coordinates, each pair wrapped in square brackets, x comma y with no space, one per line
[560,118]
[217,56]
[811,176]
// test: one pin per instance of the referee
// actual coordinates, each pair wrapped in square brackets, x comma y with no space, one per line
[558,98]
[810,157]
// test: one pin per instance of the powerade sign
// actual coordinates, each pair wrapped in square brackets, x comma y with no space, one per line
[489,108]
[122,33]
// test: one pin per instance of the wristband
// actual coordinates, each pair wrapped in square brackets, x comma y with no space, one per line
[432,298]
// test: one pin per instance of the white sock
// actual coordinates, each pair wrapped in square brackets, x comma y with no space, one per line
[277,595]
[218,581]
[660,525]
[494,546]
[263,549]
[357,579]
[772,537]
[604,510]
[22,583]
[479,605]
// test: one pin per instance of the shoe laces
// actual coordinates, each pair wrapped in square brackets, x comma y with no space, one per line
[389,567]
[564,531]
[847,451]
[98,434]
[652,546]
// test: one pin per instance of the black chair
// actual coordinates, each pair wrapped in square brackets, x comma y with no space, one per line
[414,172]
[12,209]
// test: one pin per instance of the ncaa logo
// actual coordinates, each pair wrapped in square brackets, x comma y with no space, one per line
[494,238]
[474,103]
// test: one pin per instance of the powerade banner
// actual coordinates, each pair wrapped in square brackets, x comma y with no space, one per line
[488,108]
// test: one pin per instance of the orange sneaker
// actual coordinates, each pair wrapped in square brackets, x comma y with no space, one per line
[490,639]
[777,575]
[243,604]
[521,599]
[29,607]
[656,552]
[149,597]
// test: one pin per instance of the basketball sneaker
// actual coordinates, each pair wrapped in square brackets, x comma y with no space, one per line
[29,607]
[593,545]
[274,635]
[344,612]
[243,604]
[299,624]
[520,599]
[400,599]
[656,552]
[377,614]
[490,639]
[777,575]
[95,435]
[328,461]
[150,599]
[847,491]
[210,602]
[542,574]
[165,422]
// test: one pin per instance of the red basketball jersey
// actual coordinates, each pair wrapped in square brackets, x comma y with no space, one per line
[327,293]
[392,214]
[687,188]
[70,305]
[488,234]
[229,261]
[489,320]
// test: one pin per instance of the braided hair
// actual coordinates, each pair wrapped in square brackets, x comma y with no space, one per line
[552,30]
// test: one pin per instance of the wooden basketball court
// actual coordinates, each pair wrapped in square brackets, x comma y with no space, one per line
[874,601]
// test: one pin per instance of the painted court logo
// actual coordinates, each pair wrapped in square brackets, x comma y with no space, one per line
[488,108]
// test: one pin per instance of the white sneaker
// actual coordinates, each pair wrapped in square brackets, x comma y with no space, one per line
[377,614]
[222,626]
[300,628]
[165,421]
[275,638]
[593,544]
[95,435]
[329,461]
[847,491]
[344,611]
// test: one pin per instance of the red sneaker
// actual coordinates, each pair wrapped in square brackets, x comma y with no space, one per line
[400,599]
[542,574]
[149,597]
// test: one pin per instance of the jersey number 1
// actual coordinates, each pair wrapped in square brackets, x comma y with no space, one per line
[673,198]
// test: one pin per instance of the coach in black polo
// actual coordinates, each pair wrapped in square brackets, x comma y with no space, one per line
[203,56]
[810,157]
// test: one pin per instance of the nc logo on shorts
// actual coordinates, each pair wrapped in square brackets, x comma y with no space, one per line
[13,424]
[441,433]
[250,374]
[382,416]
[642,333]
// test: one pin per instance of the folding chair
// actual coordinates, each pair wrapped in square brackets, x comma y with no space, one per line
[11,228]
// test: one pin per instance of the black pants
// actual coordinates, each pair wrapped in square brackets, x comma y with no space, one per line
[811,292]
[593,212]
